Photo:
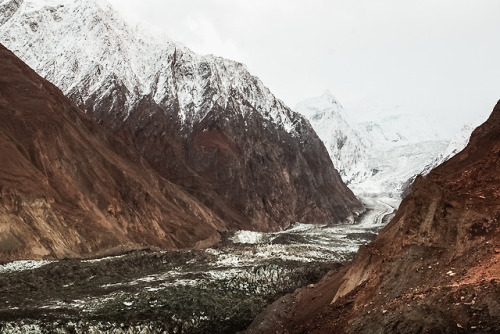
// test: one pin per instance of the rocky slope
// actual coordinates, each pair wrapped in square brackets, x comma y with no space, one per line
[376,156]
[433,269]
[69,189]
[202,122]
[458,143]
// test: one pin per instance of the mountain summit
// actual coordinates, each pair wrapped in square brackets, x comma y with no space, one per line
[203,122]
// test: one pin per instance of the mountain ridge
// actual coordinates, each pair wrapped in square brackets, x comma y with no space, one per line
[377,157]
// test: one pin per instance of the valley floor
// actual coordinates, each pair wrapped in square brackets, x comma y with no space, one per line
[218,290]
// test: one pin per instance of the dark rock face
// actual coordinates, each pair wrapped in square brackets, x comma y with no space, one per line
[245,167]
[434,268]
[248,170]
[203,122]
[69,189]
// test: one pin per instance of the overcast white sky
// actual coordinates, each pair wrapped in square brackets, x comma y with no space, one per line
[438,57]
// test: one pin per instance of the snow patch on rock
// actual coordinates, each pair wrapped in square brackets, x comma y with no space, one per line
[22,266]
[249,237]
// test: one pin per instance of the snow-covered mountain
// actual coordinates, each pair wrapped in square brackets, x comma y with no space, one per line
[87,49]
[201,121]
[69,188]
[346,146]
[375,156]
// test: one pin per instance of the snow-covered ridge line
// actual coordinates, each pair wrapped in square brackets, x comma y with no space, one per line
[344,144]
[455,146]
[144,64]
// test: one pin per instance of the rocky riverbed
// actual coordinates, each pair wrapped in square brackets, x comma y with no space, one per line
[217,290]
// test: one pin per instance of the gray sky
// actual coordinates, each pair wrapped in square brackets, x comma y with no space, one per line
[437,57]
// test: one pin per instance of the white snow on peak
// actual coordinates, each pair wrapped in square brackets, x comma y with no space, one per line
[375,156]
[86,48]
[406,129]
[345,146]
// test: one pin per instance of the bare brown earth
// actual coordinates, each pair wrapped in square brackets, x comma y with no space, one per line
[433,269]
[69,189]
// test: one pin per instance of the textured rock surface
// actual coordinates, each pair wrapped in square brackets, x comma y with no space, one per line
[433,268]
[202,122]
[347,148]
[69,189]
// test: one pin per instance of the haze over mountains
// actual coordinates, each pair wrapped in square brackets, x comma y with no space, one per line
[377,157]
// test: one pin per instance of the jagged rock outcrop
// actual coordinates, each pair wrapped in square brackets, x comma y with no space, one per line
[433,269]
[202,122]
[70,189]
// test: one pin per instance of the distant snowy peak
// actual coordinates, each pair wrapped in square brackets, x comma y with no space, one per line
[374,155]
[398,129]
[325,105]
[458,143]
[345,146]
[104,51]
